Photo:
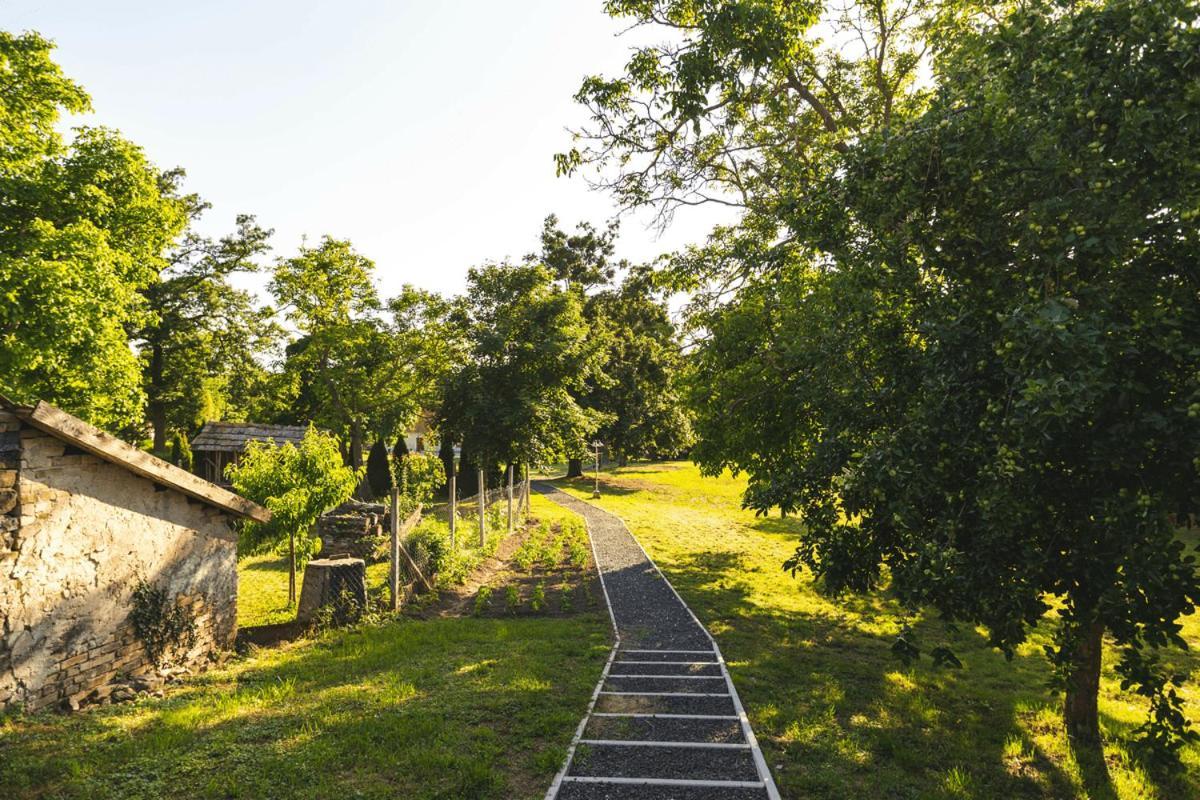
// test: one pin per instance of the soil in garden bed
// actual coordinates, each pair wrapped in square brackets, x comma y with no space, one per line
[512,589]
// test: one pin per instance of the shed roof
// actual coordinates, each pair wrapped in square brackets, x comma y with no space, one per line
[78,433]
[234,436]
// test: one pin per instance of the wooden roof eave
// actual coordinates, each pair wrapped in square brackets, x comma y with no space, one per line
[91,439]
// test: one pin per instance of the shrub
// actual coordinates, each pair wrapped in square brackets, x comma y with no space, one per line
[430,548]
[423,476]
[538,600]
[512,598]
[379,472]
[483,599]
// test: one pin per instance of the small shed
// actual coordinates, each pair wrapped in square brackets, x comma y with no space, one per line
[84,517]
[219,444]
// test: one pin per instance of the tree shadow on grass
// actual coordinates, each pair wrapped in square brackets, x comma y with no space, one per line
[446,709]
[839,716]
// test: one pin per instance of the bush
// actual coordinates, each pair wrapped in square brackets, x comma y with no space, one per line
[423,476]
[430,548]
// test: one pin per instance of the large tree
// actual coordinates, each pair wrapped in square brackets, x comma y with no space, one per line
[205,337]
[84,230]
[955,325]
[637,386]
[512,399]
[359,368]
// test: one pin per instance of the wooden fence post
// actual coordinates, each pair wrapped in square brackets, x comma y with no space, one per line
[453,510]
[482,509]
[510,498]
[528,490]
[395,551]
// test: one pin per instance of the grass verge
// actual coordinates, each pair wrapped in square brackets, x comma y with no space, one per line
[837,714]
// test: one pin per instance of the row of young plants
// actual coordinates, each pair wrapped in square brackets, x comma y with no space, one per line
[558,553]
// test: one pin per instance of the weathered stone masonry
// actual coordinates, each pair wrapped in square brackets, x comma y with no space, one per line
[76,533]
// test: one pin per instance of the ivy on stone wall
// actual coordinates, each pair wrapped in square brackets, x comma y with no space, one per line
[161,623]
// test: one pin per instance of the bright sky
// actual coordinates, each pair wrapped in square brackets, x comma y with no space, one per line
[422,130]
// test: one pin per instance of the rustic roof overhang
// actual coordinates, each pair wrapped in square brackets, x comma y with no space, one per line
[91,439]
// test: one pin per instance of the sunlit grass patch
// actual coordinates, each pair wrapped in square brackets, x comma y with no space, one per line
[835,712]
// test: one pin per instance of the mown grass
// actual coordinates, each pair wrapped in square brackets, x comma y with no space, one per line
[443,708]
[263,579]
[837,714]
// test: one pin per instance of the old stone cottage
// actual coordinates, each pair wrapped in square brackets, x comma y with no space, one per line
[83,517]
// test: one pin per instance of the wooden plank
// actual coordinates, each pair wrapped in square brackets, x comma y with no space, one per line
[78,433]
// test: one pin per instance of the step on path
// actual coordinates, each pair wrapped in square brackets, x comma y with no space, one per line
[665,721]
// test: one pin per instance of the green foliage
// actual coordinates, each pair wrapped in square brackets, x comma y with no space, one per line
[969,363]
[379,469]
[511,400]
[430,548]
[537,600]
[297,484]
[638,385]
[160,622]
[354,369]
[483,599]
[181,451]
[83,231]
[424,476]
[512,598]
[200,349]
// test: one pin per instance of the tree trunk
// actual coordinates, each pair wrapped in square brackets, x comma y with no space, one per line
[623,459]
[356,445]
[575,468]
[157,409]
[1083,686]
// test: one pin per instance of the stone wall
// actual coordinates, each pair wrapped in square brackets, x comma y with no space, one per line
[75,537]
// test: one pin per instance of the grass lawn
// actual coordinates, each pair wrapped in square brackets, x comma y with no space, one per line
[441,708]
[837,715]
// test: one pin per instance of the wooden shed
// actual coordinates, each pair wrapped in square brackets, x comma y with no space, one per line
[219,444]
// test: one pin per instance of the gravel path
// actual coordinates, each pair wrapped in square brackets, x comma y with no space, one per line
[665,722]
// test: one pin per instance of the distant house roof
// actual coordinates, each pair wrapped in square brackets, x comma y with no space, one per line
[234,436]
[78,433]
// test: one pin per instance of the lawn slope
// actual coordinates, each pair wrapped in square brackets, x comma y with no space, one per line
[838,716]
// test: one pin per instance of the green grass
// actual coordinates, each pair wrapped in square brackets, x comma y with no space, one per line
[440,708]
[263,579]
[449,708]
[837,714]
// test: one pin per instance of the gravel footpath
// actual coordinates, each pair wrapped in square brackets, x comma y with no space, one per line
[666,665]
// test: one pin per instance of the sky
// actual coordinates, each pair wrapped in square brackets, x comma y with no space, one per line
[424,132]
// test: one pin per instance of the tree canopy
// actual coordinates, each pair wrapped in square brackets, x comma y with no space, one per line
[958,335]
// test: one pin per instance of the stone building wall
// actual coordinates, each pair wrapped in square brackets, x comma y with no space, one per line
[76,534]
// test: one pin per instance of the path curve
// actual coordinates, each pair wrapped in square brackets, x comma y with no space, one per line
[665,721]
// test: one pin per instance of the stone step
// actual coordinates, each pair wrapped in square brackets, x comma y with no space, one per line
[696,684]
[654,761]
[660,704]
[634,654]
[571,790]
[665,729]
[666,667]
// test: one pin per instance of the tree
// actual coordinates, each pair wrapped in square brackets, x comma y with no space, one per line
[746,103]
[512,399]
[379,470]
[204,336]
[446,455]
[83,231]
[971,367]
[355,370]
[297,484]
[582,261]
[637,386]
